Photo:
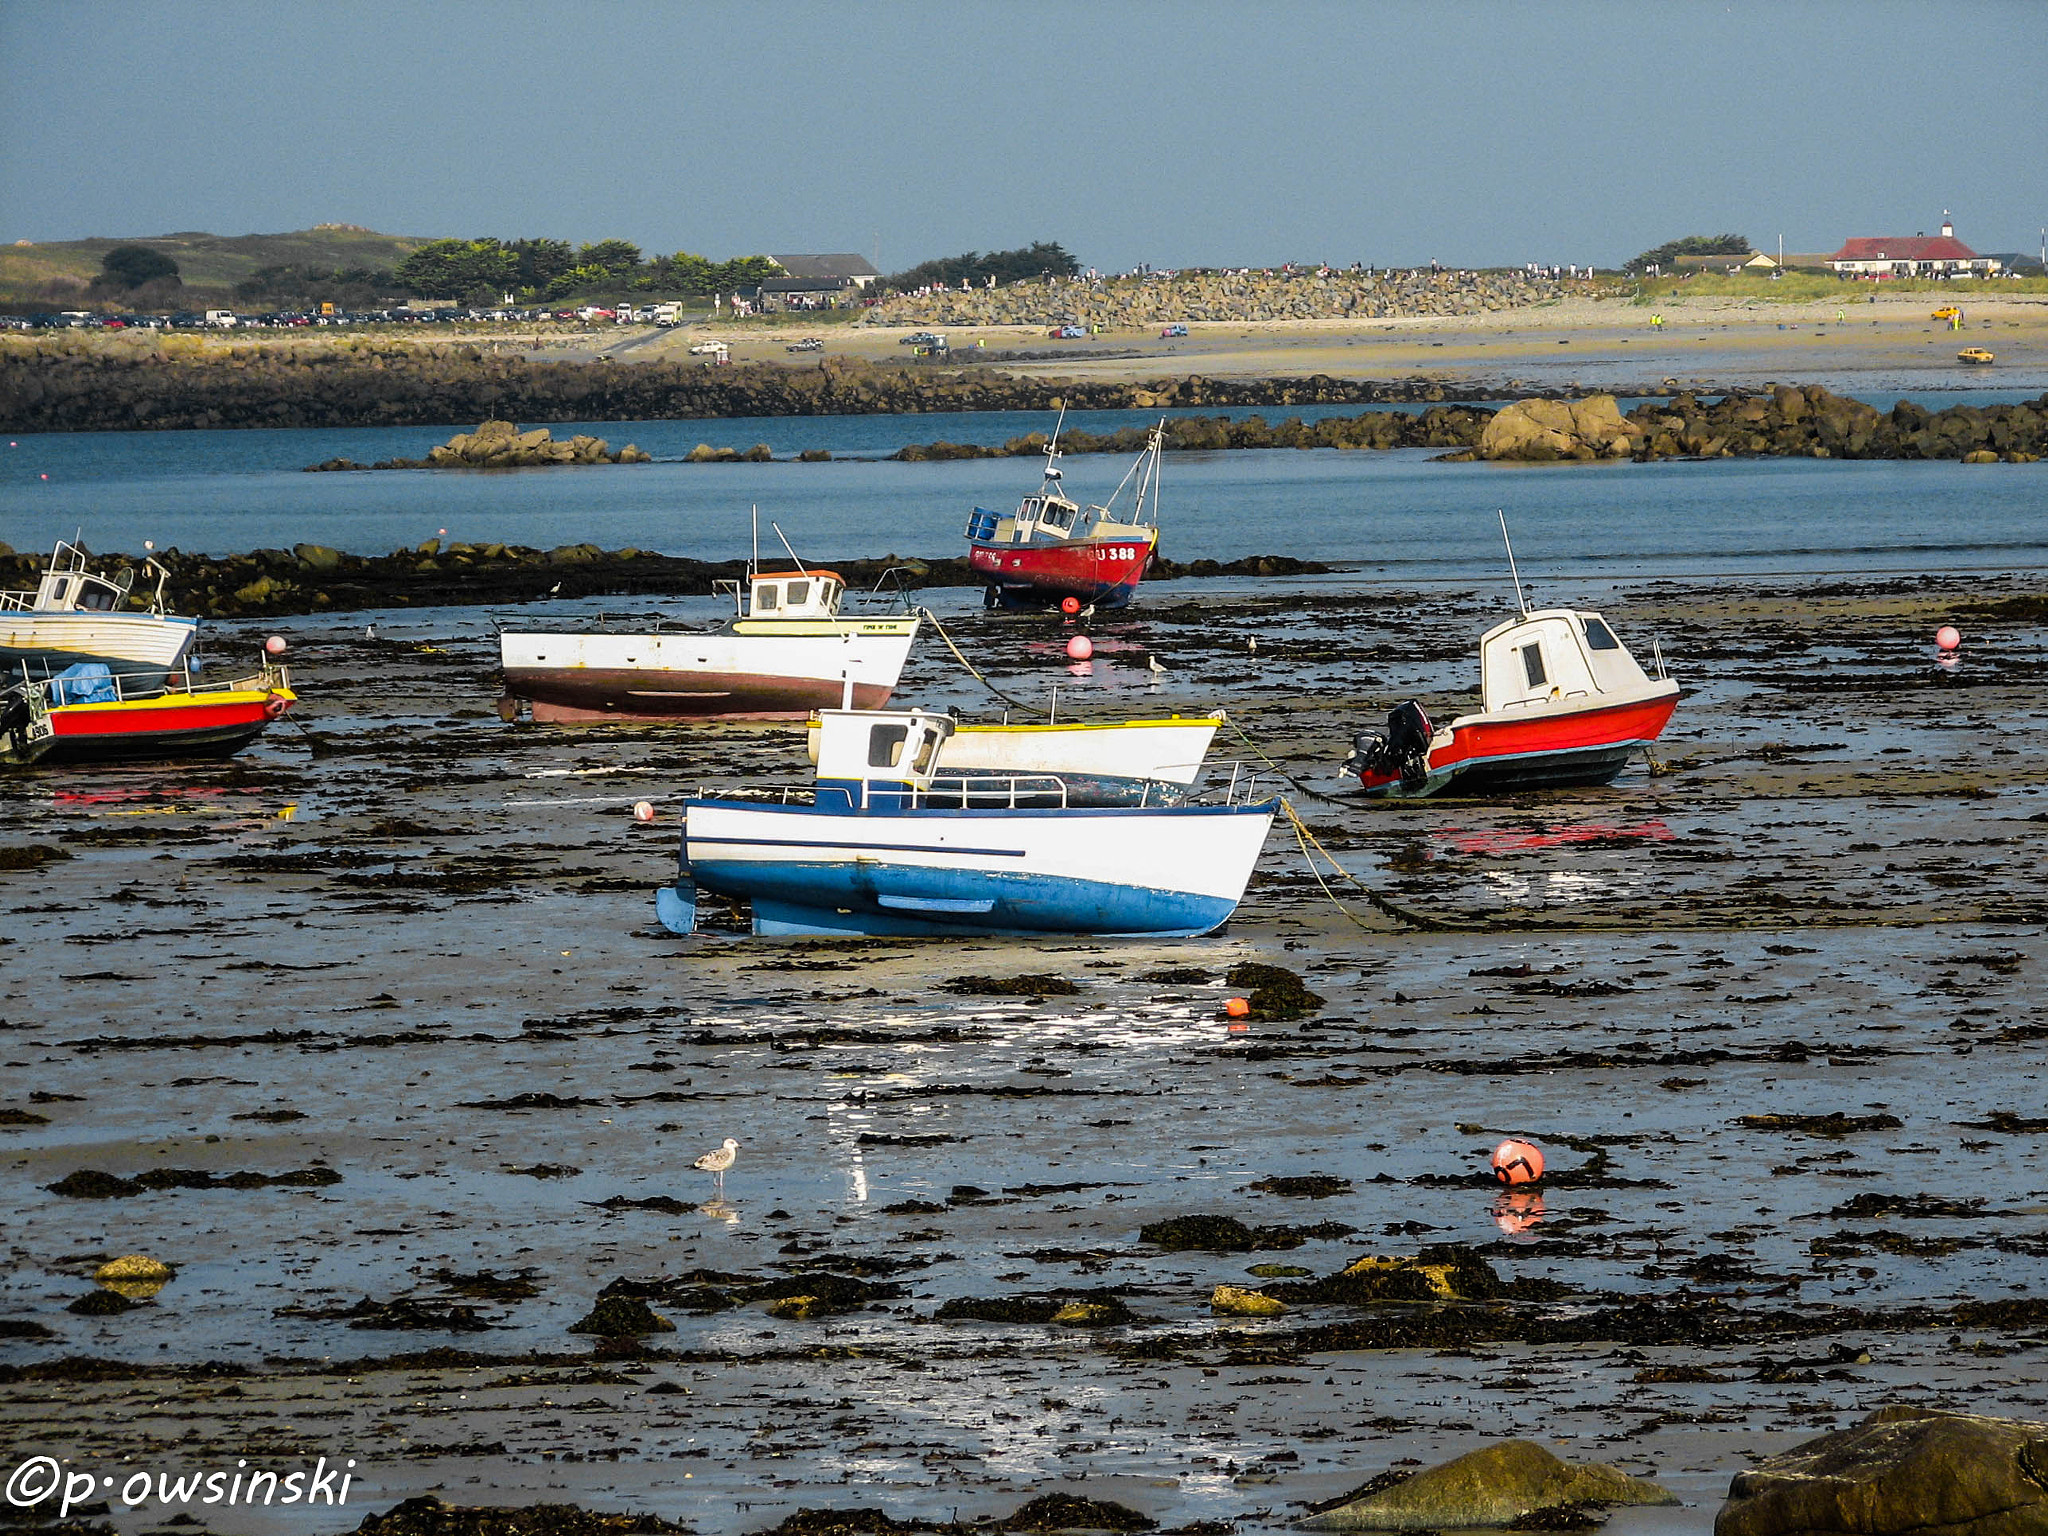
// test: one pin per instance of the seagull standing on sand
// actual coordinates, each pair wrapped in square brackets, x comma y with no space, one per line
[1252,645]
[1152,665]
[715,1163]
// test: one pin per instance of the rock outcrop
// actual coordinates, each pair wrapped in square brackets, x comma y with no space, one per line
[501,445]
[1488,1487]
[1901,1470]
[1545,431]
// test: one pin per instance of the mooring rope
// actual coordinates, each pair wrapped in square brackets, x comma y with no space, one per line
[975,672]
[1399,911]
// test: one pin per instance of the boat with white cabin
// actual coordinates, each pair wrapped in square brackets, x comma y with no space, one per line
[786,651]
[1116,762]
[77,616]
[1562,702]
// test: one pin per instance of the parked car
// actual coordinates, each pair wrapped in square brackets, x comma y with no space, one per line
[808,344]
[922,339]
[1176,329]
[705,348]
[1067,332]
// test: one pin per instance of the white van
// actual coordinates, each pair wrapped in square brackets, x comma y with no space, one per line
[224,318]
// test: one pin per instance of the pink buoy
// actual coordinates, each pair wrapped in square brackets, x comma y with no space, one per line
[1080,648]
[1948,637]
[643,812]
[274,645]
[1518,1162]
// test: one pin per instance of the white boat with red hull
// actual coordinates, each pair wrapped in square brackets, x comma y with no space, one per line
[786,652]
[1562,702]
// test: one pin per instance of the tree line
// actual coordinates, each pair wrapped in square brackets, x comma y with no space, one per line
[1038,259]
[1691,245]
[482,270]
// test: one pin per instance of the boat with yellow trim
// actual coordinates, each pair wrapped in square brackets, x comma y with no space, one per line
[1094,763]
[784,653]
[89,713]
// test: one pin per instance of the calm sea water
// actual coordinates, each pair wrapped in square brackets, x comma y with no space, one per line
[1398,513]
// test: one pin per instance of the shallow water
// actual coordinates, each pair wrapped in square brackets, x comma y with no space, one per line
[1393,513]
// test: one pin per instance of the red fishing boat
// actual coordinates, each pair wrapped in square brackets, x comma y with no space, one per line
[91,714]
[1051,548]
[1562,702]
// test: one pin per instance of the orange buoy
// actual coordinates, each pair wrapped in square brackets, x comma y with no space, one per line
[1070,606]
[1518,1162]
[1237,1007]
[643,811]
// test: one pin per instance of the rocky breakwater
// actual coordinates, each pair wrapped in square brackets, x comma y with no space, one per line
[1787,422]
[501,445]
[75,382]
[1440,426]
[1309,293]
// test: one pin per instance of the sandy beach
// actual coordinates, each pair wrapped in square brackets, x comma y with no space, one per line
[1590,343]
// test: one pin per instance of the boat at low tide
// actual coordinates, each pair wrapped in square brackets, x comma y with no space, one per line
[1050,549]
[1096,763]
[785,652]
[1562,702]
[896,849]
[92,714]
[76,615]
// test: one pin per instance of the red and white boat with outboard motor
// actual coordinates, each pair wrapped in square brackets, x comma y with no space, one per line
[1561,702]
[1050,549]
[75,615]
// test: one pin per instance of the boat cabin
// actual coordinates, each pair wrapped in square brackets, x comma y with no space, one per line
[68,587]
[1553,656]
[872,758]
[792,594]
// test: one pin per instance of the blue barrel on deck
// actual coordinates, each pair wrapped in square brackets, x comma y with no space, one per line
[981,525]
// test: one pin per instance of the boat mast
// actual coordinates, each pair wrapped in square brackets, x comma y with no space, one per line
[801,568]
[1520,601]
[1052,453]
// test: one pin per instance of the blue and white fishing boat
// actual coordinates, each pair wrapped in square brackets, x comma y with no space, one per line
[889,844]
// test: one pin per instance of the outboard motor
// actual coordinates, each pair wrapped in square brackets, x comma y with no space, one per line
[1400,750]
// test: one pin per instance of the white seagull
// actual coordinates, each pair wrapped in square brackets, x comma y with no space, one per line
[715,1163]
[1152,665]
[1252,645]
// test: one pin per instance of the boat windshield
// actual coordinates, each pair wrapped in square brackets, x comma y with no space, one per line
[885,745]
[1600,637]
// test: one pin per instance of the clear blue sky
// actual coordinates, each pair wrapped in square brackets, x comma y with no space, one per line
[1475,132]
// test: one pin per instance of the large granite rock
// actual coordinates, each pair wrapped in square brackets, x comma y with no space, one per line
[1487,1487]
[1546,431]
[1900,1470]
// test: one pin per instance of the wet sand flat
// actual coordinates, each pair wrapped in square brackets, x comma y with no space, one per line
[1776,1010]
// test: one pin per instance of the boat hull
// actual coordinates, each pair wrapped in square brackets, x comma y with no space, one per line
[950,872]
[142,647]
[582,678]
[1538,749]
[1104,572]
[178,727]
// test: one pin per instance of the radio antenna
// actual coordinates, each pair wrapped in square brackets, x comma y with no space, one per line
[1520,601]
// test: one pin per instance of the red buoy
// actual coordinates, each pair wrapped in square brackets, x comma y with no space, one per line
[1518,1162]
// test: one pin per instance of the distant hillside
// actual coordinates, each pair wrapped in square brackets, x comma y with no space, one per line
[30,273]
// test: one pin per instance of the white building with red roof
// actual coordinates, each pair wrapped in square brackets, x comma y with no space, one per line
[1941,255]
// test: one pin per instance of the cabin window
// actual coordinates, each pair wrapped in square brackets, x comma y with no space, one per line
[798,591]
[1600,637]
[926,750]
[885,745]
[1532,665]
[764,598]
[96,598]
[1058,517]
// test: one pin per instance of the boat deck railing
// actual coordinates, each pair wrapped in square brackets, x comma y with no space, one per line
[127,689]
